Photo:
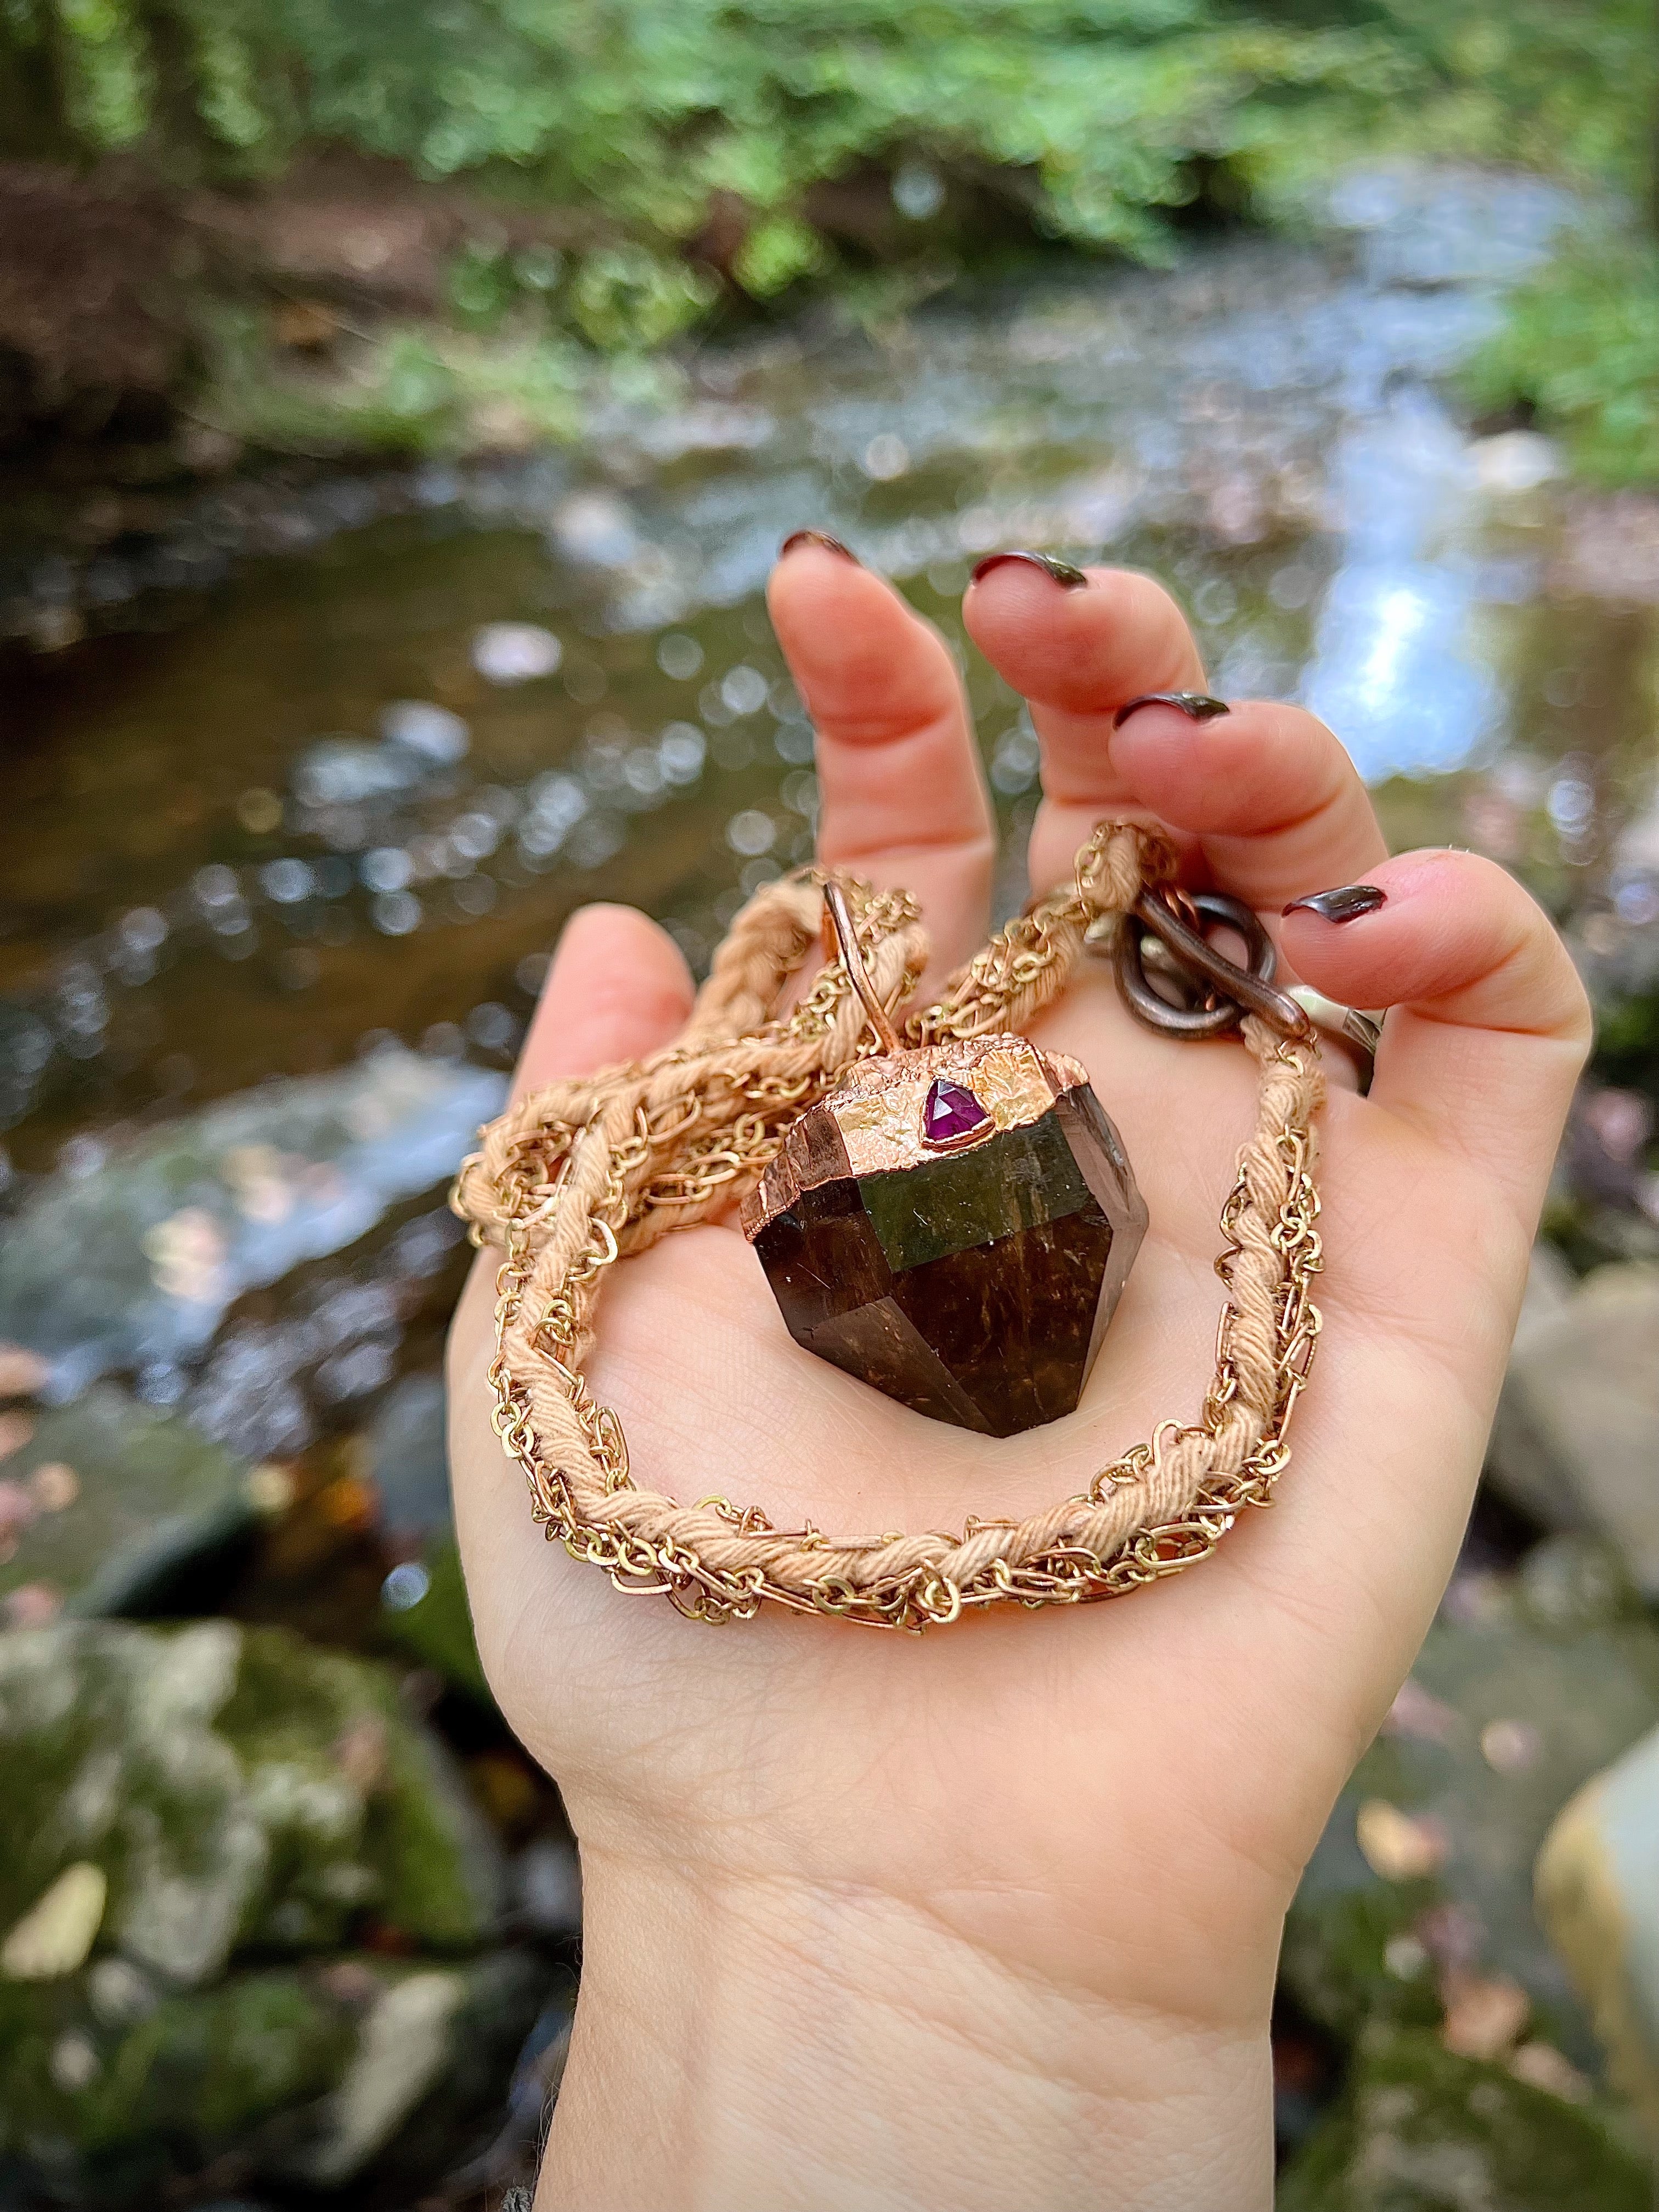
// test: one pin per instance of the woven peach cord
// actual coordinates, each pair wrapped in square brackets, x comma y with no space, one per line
[592,1170]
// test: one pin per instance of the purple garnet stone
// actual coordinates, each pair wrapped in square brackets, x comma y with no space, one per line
[952,1116]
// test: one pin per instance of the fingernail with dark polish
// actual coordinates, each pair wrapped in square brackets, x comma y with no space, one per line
[818,537]
[1346,903]
[1068,578]
[1196,706]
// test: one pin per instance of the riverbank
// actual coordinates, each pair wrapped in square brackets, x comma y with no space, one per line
[350,236]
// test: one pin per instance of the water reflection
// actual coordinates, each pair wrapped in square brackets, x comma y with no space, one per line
[299,806]
[1396,666]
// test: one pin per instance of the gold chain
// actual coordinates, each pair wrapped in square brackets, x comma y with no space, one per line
[717,1145]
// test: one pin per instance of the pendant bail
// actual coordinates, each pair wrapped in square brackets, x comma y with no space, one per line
[840,942]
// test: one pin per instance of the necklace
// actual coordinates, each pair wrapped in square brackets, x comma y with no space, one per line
[906,1201]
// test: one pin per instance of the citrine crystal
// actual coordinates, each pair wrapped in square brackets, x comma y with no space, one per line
[973,1283]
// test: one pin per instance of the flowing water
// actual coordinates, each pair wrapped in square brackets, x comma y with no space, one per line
[271,811]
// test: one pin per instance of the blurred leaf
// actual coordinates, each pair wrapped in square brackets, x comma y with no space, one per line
[1580,350]
[775,254]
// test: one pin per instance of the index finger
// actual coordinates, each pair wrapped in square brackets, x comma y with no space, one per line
[901,796]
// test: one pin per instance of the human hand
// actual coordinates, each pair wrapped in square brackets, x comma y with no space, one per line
[991,1917]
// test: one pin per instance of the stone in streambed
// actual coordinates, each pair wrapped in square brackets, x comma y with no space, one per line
[236,1789]
[1598,1896]
[1421,1885]
[134,1264]
[1576,1444]
[103,1503]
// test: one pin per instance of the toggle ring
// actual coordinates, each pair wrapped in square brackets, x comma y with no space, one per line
[1232,991]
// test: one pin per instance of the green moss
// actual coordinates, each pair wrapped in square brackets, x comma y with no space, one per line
[401,391]
[1419,2130]
[363,1807]
[119,2106]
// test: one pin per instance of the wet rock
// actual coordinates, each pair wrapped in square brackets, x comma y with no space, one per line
[32,1067]
[351,772]
[166,1232]
[432,733]
[103,1503]
[1598,1896]
[1422,1884]
[308,2074]
[1576,1444]
[291,1360]
[1419,2129]
[236,1789]
[515,652]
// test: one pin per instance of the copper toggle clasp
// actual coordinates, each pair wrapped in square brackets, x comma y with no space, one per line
[1230,992]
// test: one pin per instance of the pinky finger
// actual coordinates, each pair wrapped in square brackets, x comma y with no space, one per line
[1489,1026]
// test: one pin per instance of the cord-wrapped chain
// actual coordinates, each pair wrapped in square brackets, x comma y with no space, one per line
[591,1170]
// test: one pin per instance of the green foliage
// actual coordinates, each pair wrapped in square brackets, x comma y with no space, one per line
[776,254]
[1098,116]
[627,298]
[677,133]
[1580,350]
[1563,86]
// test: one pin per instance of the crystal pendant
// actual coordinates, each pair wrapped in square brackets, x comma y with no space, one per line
[953,1225]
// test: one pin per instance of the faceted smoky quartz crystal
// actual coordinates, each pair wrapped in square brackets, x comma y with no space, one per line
[975,1283]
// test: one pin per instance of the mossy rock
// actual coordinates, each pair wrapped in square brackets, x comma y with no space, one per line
[1542,1679]
[235,1789]
[1419,2130]
[114,2089]
[110,2088]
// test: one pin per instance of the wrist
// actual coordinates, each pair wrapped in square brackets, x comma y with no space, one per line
[747,2042]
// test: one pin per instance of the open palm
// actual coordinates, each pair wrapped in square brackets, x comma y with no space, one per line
[1081,1827]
